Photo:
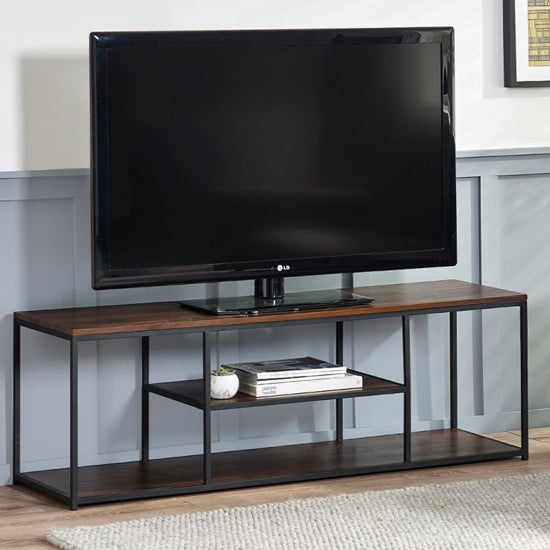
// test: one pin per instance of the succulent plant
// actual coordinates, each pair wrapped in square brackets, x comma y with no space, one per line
[222,371]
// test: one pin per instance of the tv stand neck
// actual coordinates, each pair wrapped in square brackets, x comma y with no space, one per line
[269,288]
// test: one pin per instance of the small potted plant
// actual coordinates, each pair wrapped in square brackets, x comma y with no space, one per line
[224,383]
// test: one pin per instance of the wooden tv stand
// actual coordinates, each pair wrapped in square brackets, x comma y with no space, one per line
[212,471]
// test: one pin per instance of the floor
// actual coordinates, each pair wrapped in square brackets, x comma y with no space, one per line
[25,514]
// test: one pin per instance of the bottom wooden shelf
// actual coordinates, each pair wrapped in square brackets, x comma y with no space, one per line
[233,469]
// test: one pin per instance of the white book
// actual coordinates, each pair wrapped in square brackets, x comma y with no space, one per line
[243,377]
[247,378]
[304,385]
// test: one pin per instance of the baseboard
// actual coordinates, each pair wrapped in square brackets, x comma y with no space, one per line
[5,474]
[539,418]
[182,450]
[477,424]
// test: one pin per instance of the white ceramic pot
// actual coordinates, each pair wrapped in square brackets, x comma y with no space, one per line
[224,386]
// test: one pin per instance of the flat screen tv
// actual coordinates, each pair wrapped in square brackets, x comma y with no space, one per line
[230,155]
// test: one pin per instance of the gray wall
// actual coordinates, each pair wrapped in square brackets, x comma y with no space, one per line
[504,240]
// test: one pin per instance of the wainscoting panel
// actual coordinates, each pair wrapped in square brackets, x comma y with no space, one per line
[516,255]
[504,241]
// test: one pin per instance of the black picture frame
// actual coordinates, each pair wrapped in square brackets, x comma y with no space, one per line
[512,61]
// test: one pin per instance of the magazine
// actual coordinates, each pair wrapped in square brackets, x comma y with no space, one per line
[287,368]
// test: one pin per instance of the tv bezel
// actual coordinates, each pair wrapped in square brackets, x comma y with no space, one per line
[104,277]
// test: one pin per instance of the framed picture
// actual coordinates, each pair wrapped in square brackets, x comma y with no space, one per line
[526,43]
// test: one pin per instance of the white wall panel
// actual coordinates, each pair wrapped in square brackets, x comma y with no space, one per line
[43,62]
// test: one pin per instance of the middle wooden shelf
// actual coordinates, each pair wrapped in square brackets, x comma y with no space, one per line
[191,392]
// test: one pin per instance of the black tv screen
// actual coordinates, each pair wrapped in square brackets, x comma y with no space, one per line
[227,155]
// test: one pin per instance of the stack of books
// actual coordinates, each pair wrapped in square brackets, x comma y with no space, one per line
[292,376]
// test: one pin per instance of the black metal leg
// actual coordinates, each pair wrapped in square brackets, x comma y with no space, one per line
[339,361]
[453,369]
[144,398]
[523,382]
[339,419]
[207,427]
[16,400]
[74,425]
[407,392]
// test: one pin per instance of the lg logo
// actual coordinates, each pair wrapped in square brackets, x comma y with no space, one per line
[281,267]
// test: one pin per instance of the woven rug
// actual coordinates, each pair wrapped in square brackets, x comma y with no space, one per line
[502,513]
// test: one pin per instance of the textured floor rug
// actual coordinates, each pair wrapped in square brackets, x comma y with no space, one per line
[498,514]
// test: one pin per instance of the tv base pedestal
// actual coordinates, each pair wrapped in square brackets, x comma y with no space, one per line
[208,471]
[292,301]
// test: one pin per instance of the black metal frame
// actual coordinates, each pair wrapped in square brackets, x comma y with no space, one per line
[408,463]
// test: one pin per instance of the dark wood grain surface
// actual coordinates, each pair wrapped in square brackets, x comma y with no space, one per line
[109,320]
[191,392]
[273,462]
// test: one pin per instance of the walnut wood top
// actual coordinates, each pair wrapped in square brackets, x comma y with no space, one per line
[135,318]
